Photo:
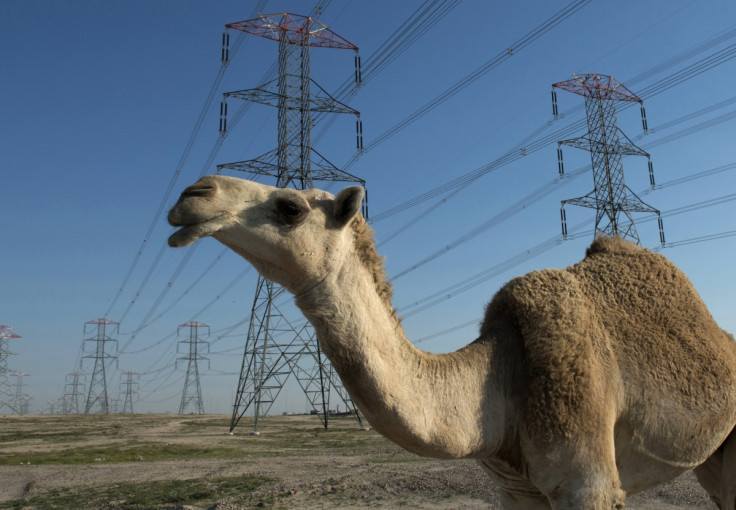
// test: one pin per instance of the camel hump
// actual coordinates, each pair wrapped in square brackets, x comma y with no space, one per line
[606,244]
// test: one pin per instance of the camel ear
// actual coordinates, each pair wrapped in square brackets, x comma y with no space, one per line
[347,204]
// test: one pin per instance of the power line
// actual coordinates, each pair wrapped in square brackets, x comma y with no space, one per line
[414,27]
[182,160]
[501,57]
[468,283]
[174,177]
[502,216]
[515,153]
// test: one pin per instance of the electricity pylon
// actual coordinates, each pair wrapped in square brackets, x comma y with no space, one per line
[129,387]
[275,347]
[20,397]
[8,402]
[73,389]
[611,198]
[98,393]
[192,393]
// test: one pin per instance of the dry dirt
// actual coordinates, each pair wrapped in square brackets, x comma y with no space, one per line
[306,467]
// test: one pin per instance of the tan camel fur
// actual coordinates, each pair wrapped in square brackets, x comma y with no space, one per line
[584,385]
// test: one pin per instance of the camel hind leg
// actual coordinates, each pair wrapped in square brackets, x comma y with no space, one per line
[717,475]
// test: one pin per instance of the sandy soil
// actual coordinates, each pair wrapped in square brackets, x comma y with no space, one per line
[309,468]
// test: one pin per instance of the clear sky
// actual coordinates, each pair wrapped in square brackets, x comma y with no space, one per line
[100,100]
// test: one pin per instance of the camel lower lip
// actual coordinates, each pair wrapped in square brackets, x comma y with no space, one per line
[190,233]
[182,237]
[187,234]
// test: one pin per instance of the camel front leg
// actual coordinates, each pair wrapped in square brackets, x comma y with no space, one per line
[576,469]
[578,478]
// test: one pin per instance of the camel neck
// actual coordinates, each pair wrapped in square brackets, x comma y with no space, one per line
[434,405]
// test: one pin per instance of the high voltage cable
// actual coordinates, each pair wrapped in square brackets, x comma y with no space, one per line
[448,330]
[144,322]
[182,160]
[177,171]
[502,216]
[208,163]
[468,178]
[230,285]
[710,237]
[699,175]
[681,57]
[504,55]
[478,278]
[674,79]
[144,282]
[182,295]
[689,116]
[694,129]
[673,212]
[414,27]
[690,71]
[684,242]
[554,184]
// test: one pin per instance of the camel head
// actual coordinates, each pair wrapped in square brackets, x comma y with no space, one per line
[292,237]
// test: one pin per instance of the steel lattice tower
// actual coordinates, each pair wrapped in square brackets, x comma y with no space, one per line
[129,386]
[192,393]
[7,395]
[275,347]
[611,198]
[73,389]
[98,393]
[21,404]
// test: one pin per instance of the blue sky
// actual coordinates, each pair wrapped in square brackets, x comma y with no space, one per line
[99,100]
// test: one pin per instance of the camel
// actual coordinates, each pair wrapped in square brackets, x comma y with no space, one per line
[584,385]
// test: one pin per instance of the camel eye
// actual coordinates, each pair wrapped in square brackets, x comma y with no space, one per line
[289,208]
[290,212]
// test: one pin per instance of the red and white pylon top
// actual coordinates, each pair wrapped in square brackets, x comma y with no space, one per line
[7,332]
[102,321]
[294,29]
[193,324]
[599,86]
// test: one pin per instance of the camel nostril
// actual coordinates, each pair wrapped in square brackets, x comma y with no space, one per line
[198,191]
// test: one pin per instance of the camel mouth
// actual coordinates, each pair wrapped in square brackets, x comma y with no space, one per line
[187,234]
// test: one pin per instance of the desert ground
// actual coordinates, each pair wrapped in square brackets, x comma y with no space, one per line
[191,462]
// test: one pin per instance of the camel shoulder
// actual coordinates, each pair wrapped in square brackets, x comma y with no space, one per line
[562,354]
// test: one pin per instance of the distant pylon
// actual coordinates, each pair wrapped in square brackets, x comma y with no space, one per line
[8,403]
[65,402]
[275,347]
[611,198]
[129,387]
[73,388]
[20,397]
[26,403]
[98,394]
[192,393]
